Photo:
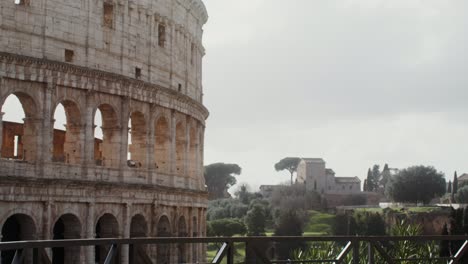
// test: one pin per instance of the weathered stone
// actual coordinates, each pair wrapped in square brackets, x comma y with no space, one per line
[133,60]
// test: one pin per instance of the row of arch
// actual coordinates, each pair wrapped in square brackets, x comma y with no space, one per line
[19,227]
[168,142]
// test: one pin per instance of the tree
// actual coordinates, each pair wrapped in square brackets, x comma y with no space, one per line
[376,176]
[255,220]
[226,227]
[386,175]
[370,181]
[449,187]
[290,164]
[219,177]
[245,196]
[289,223]
[462,195]
[226,208]
[365,185]
[455,183]
[416,184]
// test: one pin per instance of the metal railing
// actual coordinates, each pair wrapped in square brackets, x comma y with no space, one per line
[351,253]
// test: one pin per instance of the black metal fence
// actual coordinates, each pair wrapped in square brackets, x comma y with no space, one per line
[354,250]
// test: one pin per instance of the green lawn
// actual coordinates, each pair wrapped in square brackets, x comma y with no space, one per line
[319,224]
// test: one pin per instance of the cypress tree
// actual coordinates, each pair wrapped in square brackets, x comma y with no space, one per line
[449,187]
[455,183]
[370,183]
[365,185]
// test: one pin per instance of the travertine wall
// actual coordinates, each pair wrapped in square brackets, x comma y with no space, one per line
[133,60]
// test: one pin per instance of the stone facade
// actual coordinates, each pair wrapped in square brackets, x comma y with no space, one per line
[135,60]
[314,174]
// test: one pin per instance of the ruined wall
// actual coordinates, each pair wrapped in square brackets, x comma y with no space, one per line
[137,61]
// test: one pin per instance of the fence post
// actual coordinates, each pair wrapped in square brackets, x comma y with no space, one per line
[370,251]
[356,252]
[230,253]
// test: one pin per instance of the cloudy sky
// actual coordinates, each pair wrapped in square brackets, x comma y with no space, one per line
[355,82]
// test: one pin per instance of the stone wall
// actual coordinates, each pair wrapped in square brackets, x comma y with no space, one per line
[131,60]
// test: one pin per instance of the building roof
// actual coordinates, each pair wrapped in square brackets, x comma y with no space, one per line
[312,160]
[329,171]
[347,180]
[463,177]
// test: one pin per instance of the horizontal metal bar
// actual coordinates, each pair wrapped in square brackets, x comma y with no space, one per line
[187,240]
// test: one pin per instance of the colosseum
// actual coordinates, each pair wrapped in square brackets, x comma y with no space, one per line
[139,64]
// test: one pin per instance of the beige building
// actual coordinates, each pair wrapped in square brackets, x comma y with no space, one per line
[314,174]
[137,60]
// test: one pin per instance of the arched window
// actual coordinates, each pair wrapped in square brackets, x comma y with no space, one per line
[20,128]
[107,137]
[162,145]
[137,141]
[180,148]
[67,145]
[193,153]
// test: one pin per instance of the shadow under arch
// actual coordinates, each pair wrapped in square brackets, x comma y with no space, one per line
[106,227]
[67,226]
[138,228]
[182,232]
[18,227]
[164,250]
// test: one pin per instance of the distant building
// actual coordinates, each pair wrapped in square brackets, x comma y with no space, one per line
[314,174]
[267,190]
[462,180]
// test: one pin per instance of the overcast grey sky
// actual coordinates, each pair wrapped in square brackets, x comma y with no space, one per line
[356,82]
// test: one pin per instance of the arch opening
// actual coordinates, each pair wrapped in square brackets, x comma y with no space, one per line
[19,129]
[18,227]
[107,227]
[162,145]
[180,148]
[138,228]
[137,141]
[68,226]
[107,137]
[194,234]
[182,248]
[164,250]
[67,134]
[193,153]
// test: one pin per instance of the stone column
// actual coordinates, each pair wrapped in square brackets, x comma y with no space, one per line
[45,146]
[1,131]
[200,234]
[90,232]
[151,145]
[187,151]
[124,117]
[126,232]
[88,158]
[47,225]
[200,171]
[190,234]
[172,160]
